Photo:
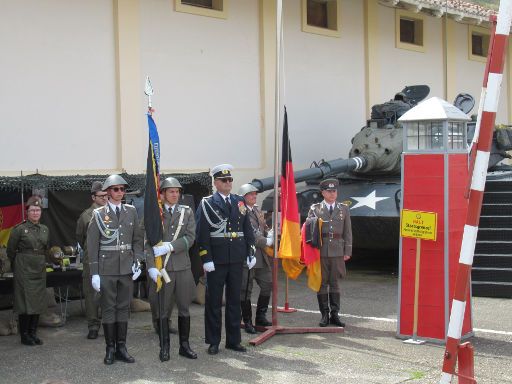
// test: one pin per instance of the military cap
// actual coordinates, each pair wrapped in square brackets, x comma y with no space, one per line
[96,187]
[329,184]
[34,201]
[246,188]
[170,182]
[221,171]
[113,180]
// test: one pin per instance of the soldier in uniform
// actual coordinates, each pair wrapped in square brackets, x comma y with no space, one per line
[115,244]
[226,240]
[179,236]
[336,249]
[262,271]
[28,249]
[99,199]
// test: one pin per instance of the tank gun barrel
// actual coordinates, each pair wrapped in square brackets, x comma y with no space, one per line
[322,170]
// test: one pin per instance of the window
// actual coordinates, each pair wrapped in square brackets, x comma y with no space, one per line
[456,139]
[321,17]
[409,31]
[478,43]
[425,135]
[211,8]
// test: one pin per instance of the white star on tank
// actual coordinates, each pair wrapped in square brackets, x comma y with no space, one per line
[370,201]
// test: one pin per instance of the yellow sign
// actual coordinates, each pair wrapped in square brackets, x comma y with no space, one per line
[418,224]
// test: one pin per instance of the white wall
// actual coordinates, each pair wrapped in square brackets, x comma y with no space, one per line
[324,85]
[401,67]
[205,73]
[57,92]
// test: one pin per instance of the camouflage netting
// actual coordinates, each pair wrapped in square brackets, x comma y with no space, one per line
[200,182]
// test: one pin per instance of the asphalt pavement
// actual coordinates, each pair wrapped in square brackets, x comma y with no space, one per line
[367,352]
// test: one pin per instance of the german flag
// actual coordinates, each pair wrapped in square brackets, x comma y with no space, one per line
[10,215]
[152,205]
[290,242]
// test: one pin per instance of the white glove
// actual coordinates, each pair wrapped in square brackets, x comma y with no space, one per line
[136,271]
[168,243]
[209,266]
[270,241]
[95,281]
[251,262]
[160,250]
[154,273]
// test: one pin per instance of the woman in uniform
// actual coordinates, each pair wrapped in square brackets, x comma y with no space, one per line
[27,249]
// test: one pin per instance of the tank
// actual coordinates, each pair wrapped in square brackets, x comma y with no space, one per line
[370,180]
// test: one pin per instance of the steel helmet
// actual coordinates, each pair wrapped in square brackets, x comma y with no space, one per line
[113,180]
[170,182]
[246,188]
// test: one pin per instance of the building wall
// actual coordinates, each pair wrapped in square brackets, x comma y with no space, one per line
[324,84]
[58,94]
[205,72]
[73,76]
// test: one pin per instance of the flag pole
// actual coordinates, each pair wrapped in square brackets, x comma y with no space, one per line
[275,328]
[148,90]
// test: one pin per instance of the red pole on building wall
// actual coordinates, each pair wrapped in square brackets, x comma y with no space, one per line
[495,65]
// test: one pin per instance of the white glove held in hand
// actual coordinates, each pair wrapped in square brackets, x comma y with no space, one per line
[136,271]
[95,281]
[251,262]
[160,250]
[209,266]
[168,244]
[154,273]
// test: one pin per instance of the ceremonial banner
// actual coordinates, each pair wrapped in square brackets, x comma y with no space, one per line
[152,205]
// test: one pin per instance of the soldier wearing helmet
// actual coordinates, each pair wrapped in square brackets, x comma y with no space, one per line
[178,238]
[335,249]
[115,244]
[99,199]
[262,271]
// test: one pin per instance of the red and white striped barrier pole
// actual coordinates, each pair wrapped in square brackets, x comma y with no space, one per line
[490,105]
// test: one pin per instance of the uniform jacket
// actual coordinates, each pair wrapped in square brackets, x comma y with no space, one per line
[260,240]
[224,250]
[336,229]
[27,249]
[114,262]
[179,259]
[81,228]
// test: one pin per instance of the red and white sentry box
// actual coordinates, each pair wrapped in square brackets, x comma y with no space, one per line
[434,178]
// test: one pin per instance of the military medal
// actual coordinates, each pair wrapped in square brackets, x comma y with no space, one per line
[242,208]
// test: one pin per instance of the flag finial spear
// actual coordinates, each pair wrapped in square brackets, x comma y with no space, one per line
[148,90]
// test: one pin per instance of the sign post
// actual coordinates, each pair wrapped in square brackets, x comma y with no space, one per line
[419,225]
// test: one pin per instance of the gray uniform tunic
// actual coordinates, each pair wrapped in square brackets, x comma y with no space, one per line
[27,249]
[91,304]
[336,243]
[262,271]
[182,284]
[113,245]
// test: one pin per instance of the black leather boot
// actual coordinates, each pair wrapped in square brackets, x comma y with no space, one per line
[33,321]
[261,311]
[121,351]
[184,332]
[247,316]
[334,299]
[165,342]
[23,323]
[323,305]
[110,340]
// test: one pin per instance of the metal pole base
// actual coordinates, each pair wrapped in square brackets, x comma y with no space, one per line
[286,309]
[275,330]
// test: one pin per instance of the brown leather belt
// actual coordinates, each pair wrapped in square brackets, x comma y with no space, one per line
[331,235]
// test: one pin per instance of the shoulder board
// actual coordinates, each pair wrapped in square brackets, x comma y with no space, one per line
[316,205]
[184,206]
[207,197]
[20,224]
[98,209]
[342,205]
[129,206]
